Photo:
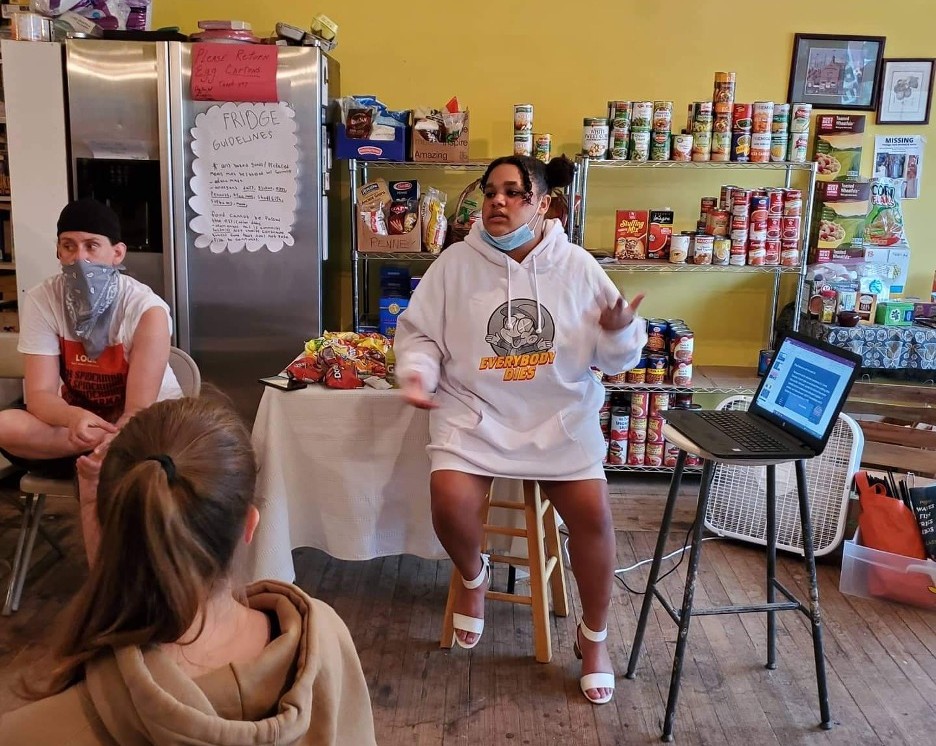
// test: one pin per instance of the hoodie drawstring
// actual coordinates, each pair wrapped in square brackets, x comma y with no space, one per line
[509,323]
[539,313]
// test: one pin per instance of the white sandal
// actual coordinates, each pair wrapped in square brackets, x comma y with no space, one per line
[597,680]
[470,624]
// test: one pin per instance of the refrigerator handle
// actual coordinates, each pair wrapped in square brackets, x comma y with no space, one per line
[174,125]
[165,185]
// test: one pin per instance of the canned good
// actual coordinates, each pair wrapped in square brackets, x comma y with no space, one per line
[654,454]
[792,202]
[663,116]
[523,118]
[760,147]
[762,116]
[764,358]
[636,375]
[655,429]
[658,361]
[779,142]
[702,116]
[721,251]
[738,256]
[717,222]
[775,202]
[683,345]
[740,198]
[542,146]
[604,420]
[639,145]
[693,460]
[657,330]
[741,117]
[595,134]
[659,403]
[789,254]
[682,148]
[789,228]
[724,197]
[636,452]
[640,404]
[523,143]
[757,254]
[641,116]
[657,375]
[638,429]
[606,405]
[799,117]
[617,378]
[741,147]
[702,249]
[620,423]
[721,146]
[702,146]
[682,401]
[660,146]
[781,119]
[670,455]
[772,256]
[707,204]
[619,144]
[799,144]
[679,248]
[617,452]
[724,88]
[619,112]
[760,207]
[681,374]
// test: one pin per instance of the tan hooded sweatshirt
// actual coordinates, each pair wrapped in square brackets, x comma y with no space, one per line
[306,687]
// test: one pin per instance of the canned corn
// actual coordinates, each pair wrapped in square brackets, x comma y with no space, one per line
[542,146]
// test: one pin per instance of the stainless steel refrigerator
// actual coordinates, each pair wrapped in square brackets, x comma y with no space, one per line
[130,118]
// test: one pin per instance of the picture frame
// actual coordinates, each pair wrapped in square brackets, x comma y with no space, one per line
[906,91]
[836,71]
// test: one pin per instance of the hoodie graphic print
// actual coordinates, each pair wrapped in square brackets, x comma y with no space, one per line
[507,348]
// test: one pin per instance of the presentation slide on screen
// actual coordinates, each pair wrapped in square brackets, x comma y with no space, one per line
[803,386]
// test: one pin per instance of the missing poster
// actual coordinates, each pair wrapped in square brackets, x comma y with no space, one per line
[244,177]
[901,158]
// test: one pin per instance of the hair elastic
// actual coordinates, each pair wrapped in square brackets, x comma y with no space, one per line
[167,464]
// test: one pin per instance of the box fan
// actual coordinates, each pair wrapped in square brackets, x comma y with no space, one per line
[737,501]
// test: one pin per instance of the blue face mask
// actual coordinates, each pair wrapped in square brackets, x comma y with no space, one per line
[513,240]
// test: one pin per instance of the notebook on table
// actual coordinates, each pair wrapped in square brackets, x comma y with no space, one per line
[793,411]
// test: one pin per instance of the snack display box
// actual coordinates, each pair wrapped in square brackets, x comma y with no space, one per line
[372,150]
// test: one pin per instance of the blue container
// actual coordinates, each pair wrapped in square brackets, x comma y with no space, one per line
[372,150]
[390,308]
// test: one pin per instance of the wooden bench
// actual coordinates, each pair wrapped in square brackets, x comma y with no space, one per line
[897,443]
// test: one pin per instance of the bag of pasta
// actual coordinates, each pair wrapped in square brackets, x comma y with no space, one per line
[884,224]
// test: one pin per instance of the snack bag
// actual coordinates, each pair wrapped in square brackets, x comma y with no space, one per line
[305,369]
[342,375]
[434,223]
[884,224]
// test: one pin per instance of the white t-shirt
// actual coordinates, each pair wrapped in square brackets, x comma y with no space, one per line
[100,385]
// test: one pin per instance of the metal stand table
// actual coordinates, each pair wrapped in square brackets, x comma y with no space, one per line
[683,615]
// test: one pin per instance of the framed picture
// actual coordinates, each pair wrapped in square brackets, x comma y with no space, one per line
[836,72]
[906,91]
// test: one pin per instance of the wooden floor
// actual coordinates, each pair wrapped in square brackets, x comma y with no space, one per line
[881,657]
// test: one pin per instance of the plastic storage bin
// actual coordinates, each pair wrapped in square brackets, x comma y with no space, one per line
[875,574]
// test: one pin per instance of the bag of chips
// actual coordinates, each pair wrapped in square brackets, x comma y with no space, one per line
[884,225]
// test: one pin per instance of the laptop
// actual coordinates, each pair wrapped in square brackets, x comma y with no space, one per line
[794,409]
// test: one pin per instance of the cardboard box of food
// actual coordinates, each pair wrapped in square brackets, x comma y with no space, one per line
[894,313]
[424,151]
[866,308]
[924,310]
[371,150]
[659,234]
[630,234]
[839,140]
[390,309]
[837,228]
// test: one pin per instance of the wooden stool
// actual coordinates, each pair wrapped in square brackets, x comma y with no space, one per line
[543,559]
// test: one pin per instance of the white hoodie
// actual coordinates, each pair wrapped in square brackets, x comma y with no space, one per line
[507,347]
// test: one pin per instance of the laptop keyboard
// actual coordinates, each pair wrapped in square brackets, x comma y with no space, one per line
[743,431]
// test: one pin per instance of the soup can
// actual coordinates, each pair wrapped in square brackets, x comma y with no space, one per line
[655,429]
[740,201]
[542,146]
[654,454]
[693,460]
[620,423]
[702,146]
[595,134]
[789,228]
[779,142]
[799,144]
[663,116]
[660,146]
[702,249]
[523,143]
[760,147]
[659,402]
[721,251]
[523,118]
[799,117]
[738,256]
[619,112]
[772,255]
[702,116]
[657,329]
[638,429]
[683,346]
[681,374]
[741,147]
[670,454]
[640,146]
[741,117]
[717,222]
[775,202]
[636,452]
[792,202]
[721,146]
[640,404]
[604,420]
[789,254]
[679,248]
[781,119]
[707,204]
[757,253]
[682,147]
[619,144]
[762,117]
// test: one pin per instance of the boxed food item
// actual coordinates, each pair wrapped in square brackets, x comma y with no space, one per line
[659,233]
[839,139]
[630,234]
[443,149]
[866,308]
[385,225]
[837,228]
[390,308]
[894,313]
[924,310]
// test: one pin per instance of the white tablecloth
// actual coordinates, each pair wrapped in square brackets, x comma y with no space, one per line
[342,471]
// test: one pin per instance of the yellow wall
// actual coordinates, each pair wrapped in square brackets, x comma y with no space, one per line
[569,59]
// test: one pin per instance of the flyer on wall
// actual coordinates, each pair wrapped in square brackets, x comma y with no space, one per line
[900,157]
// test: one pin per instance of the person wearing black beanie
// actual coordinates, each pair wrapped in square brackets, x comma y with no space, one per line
[103,334]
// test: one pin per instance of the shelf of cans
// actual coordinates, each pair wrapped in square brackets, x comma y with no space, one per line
[719,130]
[666,358]
[633,428]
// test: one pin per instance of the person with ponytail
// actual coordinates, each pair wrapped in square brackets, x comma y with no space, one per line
[498,341]
[160,646]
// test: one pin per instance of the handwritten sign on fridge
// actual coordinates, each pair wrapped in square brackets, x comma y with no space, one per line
[244,177]
[234,72]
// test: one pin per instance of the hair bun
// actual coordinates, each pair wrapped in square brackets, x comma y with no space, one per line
[559,172]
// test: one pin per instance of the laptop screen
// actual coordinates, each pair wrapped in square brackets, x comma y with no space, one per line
[805,385]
